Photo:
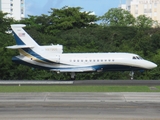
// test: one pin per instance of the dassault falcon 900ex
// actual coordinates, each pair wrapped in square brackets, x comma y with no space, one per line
[52,57]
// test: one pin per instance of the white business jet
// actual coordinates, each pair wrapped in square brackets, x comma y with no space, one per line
[52,57]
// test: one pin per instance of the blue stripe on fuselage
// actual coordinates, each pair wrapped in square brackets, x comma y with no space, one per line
[30,51]
[34,54]
[111,67]
[19,61]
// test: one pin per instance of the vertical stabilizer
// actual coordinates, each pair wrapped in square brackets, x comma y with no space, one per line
[21,36]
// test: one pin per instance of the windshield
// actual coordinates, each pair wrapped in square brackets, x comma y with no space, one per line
[137,58]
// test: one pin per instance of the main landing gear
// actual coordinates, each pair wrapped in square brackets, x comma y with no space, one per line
[73,75]
[131,74]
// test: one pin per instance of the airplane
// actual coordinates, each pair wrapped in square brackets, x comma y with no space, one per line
[51,57]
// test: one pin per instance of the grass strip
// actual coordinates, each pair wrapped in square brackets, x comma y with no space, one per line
[70,88]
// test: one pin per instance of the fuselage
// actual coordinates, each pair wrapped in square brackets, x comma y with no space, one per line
[98,61]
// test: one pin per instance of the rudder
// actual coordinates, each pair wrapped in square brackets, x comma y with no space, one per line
[21,36]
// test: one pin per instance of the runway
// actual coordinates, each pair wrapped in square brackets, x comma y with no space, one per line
[80,106]
[80,82]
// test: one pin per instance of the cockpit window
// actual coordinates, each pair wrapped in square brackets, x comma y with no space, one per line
[137,58]
[141,58]
[134,57]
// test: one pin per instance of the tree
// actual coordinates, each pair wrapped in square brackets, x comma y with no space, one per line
[4,22]
[61,19]
[69,18]
[117,17]
[143,21]
[33,22]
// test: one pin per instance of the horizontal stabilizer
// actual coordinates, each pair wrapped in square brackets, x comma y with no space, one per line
[19,46]
[85,69]
[18,25]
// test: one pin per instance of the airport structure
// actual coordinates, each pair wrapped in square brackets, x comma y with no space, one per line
[14,8]
[150,8]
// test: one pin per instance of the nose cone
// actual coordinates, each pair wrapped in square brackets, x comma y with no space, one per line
[151,65]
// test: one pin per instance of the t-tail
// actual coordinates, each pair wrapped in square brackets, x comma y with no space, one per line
[30,51]
[23,40]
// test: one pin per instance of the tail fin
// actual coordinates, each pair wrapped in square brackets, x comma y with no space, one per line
[29,50]
[23,40]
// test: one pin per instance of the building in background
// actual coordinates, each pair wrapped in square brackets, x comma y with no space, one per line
[14,8]
[150,8]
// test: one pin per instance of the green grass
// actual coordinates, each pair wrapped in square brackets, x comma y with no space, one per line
[158,87]
[70,88]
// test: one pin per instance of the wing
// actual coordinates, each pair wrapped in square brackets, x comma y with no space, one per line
[81,69]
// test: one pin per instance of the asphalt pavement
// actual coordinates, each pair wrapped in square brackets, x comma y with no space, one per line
[80,82]
[80,106]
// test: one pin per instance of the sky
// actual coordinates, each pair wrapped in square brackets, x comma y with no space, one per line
[99,7]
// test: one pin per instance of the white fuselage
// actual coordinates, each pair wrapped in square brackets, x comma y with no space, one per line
[98,61]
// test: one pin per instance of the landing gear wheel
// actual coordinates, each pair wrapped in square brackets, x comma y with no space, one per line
[73,76]
[131,74]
